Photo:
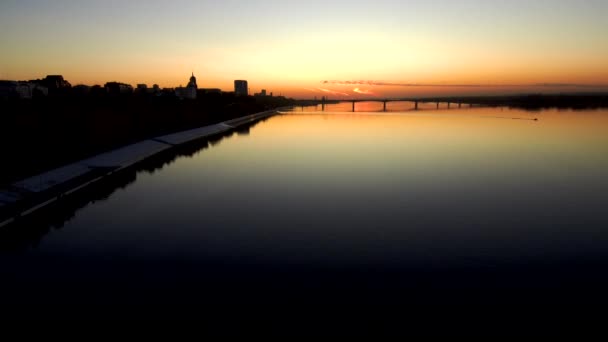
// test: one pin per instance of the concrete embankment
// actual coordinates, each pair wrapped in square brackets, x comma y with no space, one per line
[31,194]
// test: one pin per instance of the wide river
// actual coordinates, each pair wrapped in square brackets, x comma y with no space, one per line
[337,214]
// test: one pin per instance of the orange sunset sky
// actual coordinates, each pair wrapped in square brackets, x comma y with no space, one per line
[313,48]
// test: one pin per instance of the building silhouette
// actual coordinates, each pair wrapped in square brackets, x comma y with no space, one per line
[207,91]
[241,88]
[81,90]
[155,90]
[261,94]
[53,82]
[117,88]
[188,92]
[21,90]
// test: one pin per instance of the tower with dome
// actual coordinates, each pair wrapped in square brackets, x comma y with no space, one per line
[189,92]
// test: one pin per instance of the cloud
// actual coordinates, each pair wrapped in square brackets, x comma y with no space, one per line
[568,85]
[381,83]
[458,85]
[332,92]
[363,91]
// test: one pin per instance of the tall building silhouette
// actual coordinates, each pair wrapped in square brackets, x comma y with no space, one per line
[189,92]
[241,88]
[192,83]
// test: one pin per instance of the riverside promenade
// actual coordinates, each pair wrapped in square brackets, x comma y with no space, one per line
[28,195]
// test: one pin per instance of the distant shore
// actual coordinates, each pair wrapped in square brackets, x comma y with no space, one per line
[579,101]
[575,101]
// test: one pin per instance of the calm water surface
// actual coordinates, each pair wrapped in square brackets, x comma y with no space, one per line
[333,211]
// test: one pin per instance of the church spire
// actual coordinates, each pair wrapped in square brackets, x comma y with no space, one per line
[192,82]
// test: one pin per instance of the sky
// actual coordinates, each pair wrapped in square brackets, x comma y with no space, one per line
[313,48]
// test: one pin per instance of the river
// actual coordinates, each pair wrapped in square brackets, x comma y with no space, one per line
[332,212]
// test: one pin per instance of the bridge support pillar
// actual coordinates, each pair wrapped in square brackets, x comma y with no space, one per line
[459,105]
[437,105]
[323,106]
[448,105]
[384,107]
[353,106]
[416,105]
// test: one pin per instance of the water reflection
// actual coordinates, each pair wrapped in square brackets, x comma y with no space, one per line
[28,231]
[341,215]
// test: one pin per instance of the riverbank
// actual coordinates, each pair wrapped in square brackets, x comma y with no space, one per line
[42,134]
[28,195]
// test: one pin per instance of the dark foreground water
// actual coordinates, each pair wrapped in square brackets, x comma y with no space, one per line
[473,218]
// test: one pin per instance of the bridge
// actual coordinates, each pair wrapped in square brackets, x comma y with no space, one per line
[456,101]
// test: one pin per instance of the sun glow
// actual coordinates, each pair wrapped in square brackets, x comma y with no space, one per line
[514,47]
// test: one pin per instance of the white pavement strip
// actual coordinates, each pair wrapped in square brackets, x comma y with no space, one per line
[54,177]
[126,156]
[249,118]
[116,159]
[120,158]
[197,133]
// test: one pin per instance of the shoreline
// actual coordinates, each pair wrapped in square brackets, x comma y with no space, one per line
[28,195]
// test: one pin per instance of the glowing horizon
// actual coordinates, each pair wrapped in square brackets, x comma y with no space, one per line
[408,47]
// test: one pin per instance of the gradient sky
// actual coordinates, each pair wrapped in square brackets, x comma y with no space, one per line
[291,47]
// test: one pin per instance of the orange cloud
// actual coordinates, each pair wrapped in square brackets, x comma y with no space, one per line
[332,92]
[363,91]
[462,85]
